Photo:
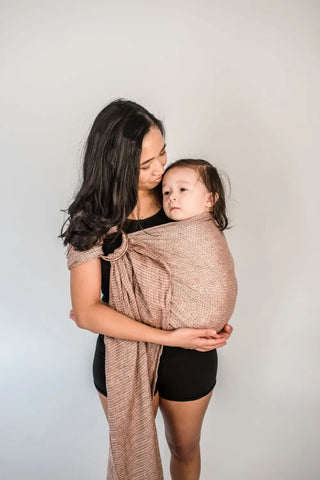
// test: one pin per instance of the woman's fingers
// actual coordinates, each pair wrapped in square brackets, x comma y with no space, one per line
[206,341]
[212,334]
[221,336]
[204,332]
[211,345]
[227,330]
[208,348]
[224,333]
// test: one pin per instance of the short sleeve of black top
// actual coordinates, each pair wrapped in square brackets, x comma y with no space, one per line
[132,226]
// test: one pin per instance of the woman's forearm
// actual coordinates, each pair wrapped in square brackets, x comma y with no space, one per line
[91,314]
[99,318]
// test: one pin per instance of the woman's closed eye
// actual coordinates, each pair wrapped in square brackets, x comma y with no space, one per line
[145,168]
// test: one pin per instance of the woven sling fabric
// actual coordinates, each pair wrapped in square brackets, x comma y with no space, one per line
[179,274]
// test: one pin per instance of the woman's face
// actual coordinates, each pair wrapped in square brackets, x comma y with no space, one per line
[153,159]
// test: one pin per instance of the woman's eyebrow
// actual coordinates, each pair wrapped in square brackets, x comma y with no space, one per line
[149,160]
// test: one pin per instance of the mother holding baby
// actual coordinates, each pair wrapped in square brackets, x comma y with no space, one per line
[123,167]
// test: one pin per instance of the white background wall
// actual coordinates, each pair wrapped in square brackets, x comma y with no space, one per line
[236,82]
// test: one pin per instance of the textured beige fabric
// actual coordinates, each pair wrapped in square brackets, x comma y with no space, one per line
[174,275]
[75,257]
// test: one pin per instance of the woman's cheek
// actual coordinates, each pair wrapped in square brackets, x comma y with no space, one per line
[142,179]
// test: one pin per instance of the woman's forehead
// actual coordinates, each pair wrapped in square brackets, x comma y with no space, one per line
[152,144]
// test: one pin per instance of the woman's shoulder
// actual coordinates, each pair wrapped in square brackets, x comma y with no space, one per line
[76,257]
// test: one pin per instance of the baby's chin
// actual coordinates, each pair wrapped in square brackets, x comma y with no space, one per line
[180,214]
[176,215]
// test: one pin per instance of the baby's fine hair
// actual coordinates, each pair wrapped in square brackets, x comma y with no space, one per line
[213,183]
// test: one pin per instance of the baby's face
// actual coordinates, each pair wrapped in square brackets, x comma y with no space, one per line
[184,194]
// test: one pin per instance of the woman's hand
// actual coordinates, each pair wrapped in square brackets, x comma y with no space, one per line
[201,339]
[222,337]
[226,331]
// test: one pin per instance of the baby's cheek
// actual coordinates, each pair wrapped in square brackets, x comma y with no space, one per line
[164,206]
[166,209]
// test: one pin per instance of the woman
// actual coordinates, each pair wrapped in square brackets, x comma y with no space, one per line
[123,165]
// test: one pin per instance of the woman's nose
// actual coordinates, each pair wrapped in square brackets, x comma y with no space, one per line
[159,168]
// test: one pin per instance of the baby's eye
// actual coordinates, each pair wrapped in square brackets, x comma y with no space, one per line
[165,193]
[182,189]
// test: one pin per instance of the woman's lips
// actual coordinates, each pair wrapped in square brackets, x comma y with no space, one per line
[157,180]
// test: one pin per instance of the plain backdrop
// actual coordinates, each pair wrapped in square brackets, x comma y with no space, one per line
[236,83]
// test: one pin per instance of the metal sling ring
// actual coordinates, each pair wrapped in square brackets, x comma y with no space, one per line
[119,252]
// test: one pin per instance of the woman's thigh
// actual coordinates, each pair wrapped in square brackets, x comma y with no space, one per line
[186,379]
[183,422]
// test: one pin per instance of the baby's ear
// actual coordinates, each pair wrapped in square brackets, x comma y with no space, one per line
[210,201]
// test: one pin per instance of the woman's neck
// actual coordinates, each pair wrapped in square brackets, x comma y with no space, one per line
[146,207]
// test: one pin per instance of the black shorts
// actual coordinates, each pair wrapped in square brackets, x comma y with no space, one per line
[183,375]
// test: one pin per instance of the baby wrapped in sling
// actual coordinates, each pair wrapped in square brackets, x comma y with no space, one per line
[178,274]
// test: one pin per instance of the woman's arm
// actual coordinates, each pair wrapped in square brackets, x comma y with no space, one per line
[91,314]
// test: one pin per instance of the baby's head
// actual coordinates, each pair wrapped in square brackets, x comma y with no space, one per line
[191,187]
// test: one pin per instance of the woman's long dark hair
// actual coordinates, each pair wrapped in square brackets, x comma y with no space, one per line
[213,183]
[109,190]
